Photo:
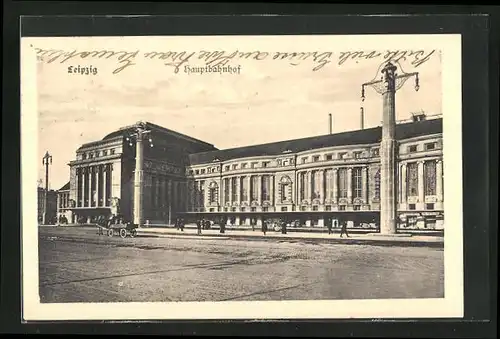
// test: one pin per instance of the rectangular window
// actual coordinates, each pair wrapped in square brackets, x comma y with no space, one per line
[304,160]
[235,166]
[315,208]
[243,209]
[265,164]
[412,149]
[234,191]
[253,209]
[430,177]
[265,209]
[244,165]
[284,209]
[233,209]
[112,151]
[266,188]
[329,157]
[104,153]
[244,188]
[343,155]
[226,189]
[429,206]
[212,210]
[430,146]
[342,208]
[303,185]
[197,171]
[316,158]
[254,165]
[202,171]
[302,208]
[357,208]
[226,168]
[375,152]
[328,207]
[412,179]
[357,181]
[357,155]
[411,206]
[255,188]
[285,162]
[342,173]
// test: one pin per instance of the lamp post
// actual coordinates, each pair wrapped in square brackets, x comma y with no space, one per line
[46,160]
[139,135]
[390,81]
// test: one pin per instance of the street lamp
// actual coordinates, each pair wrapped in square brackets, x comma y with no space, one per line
[139,134]
[46,160]
[387,85]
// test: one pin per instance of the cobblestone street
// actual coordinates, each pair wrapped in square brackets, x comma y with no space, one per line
[77,265]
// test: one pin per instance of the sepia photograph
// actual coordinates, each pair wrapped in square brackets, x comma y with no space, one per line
[241,177]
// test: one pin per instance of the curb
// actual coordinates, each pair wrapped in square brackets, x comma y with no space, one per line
[345,241]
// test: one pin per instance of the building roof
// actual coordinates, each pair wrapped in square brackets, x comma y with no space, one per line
[357,137]
[127,130]
[65,187]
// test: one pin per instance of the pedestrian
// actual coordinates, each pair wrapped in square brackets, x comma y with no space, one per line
[252,221]
[198,226]
[264,226]
[329,225]
[344,229]
[181,224]
[283,227]
[223,226]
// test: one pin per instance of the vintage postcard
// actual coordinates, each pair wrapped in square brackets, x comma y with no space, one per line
[241,177]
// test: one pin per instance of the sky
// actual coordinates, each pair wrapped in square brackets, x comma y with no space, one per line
[269,100]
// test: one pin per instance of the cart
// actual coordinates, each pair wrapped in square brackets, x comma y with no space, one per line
[123,229]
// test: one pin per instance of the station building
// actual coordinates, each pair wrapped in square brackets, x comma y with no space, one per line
[310,181]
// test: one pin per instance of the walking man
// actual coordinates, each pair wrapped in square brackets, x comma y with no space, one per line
[329,225]
[198,226]
[264,226]
[344,229]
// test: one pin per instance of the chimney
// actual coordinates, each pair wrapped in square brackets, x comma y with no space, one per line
[362,117]
[330,122]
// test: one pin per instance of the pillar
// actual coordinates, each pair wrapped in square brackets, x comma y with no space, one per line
[349,185]
[310,189]
[97,184]
[439,183]
[89,186]
[259,189]
[388,153]
[421,186]
[230,182]
[105,176]
[403,184]
[322,186]
[335,187]
[138,180]
[238,190]
[364,179]
[271,189]
[249,190]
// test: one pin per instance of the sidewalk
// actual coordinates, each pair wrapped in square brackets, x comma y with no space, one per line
[357,238]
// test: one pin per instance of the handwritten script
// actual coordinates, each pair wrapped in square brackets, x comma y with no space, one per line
[176,59]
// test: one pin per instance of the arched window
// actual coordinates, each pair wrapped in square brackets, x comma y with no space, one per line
[285,189]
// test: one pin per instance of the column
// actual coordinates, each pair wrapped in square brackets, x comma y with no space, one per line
[309,186]
[105,178]
[89,186]
[230,182]
[365,184]
[349,185]
[97,184]
[249,190]
[138,178]
[238,190]
[322,185]
[335,180]
[271,188]
[388,217]
[169,200]
[403,184]
[299,188]
[259,189]
[421,193]
[439,180]
[222,191]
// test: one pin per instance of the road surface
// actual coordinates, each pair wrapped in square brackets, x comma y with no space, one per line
[77,265]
